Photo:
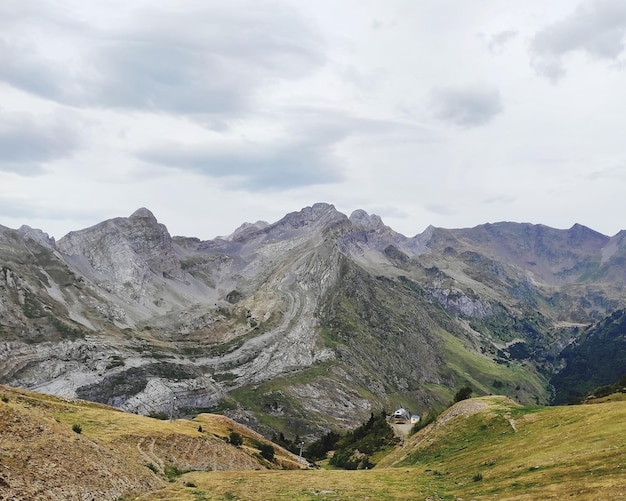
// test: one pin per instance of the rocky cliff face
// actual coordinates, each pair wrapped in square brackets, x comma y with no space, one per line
[314,320]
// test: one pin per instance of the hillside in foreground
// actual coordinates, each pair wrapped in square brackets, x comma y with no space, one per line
[60,449]
[482,448]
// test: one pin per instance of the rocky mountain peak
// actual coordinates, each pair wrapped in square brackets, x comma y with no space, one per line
[319,214]
[361,218]
[123,252]
[246,229]
[143,213]
[581,235]
[37,236]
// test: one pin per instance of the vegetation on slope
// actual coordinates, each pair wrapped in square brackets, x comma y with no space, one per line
[356,448]
[598,358]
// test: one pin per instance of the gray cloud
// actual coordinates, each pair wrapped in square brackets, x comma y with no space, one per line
[596,28]
[306,156]
[200,59]
[26,142]
[255,167]
[469,106]
[442,210]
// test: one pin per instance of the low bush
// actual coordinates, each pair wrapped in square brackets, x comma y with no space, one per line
[267,451]
[172,472]
[235,439]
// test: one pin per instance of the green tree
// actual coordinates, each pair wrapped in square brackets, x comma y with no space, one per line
[463,394]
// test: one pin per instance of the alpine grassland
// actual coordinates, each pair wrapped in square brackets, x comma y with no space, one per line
[480,448]
[488,447]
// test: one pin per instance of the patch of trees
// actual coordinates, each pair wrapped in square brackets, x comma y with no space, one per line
[318,450]
[355,449]
[292,446]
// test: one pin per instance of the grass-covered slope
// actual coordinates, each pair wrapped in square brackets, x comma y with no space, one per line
[56,449]
[483,448]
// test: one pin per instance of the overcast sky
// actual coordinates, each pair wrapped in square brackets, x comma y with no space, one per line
[214,113]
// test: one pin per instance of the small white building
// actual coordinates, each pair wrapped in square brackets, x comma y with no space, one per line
[401,413]
[415,419]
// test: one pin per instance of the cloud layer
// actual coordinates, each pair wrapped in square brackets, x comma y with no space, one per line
[438,113]
[201,58]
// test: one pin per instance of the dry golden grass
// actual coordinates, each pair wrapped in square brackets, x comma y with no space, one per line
[115,454]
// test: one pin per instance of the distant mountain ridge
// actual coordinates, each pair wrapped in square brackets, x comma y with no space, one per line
[312,321]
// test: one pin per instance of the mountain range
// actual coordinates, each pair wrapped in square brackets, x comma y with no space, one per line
[305,324]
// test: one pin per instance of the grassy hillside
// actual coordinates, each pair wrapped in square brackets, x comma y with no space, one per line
[52,448]
[484,448]
[481,448]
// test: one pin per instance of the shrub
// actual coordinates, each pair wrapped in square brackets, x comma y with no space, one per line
[477,477]
[200,428]
[267,451]
[76,428]
[463,394]
[172,472]
[235,439]
[151,466]
[5,399]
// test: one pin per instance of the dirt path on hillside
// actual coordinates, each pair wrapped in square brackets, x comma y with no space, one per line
[401,430]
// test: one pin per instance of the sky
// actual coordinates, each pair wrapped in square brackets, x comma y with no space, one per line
[211,114]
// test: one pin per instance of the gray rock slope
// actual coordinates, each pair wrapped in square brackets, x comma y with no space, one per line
[309,322]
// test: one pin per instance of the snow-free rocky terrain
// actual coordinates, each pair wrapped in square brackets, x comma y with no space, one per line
[313,321]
